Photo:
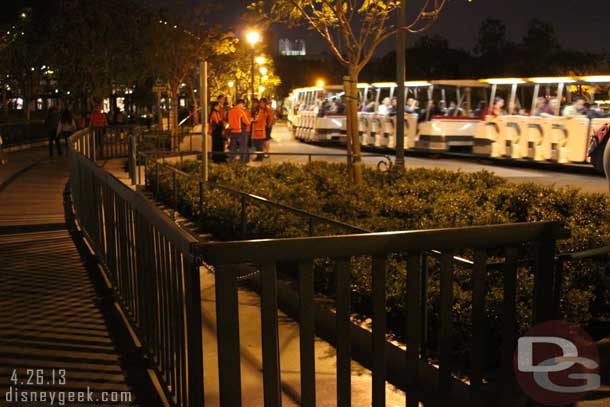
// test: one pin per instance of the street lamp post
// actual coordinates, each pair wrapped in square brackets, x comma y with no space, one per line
[231,85]
[263,72]
[253,37]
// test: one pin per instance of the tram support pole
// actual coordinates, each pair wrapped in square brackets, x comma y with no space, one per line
[400,81]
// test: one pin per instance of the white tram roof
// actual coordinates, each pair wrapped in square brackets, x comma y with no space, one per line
[504,81]
[461,83]
[596,79]
[408,84]
[553,80]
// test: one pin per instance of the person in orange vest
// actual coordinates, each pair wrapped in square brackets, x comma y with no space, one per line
[269,125]
[239,124]
[222,101]
[216,129]
[259,129]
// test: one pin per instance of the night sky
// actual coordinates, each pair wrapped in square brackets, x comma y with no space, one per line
[579,24]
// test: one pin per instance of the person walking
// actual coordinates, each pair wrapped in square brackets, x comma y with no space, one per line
[268,126]
[216,127]
[259,129]
[50,124]
[66,126]
[239,124]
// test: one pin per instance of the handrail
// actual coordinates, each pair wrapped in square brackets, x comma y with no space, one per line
[597,252]
[266,201]
[477,237]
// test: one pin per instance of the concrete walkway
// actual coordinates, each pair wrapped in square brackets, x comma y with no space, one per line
[50,318]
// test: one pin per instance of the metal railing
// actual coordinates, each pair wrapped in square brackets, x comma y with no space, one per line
[18,133]
[150,265]
[244,199]
[505,241]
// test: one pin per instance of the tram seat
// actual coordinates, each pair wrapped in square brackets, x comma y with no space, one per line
[442,133]
[309,126]
[514,133]
[536,146]
[488,138]
[376,126]
[388,130]
[364,120]
[330,128]
[410,130]
[558,138]
[577,143]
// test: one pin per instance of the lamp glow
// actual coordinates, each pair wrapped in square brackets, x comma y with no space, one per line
[253,37]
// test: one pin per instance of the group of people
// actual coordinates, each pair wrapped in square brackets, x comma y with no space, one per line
[61,125]
[389,107]
[243,128]
[545,107]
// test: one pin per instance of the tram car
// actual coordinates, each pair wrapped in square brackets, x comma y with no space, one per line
[512,118]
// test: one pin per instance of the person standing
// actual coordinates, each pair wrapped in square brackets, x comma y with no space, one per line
[66,126]
[239,124]
[259,129]
[216,126]
[268,127]
[97,124]
[252,113]
[50,124]
[222,104]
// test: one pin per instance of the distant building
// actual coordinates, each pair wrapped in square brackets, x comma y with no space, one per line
[292,47]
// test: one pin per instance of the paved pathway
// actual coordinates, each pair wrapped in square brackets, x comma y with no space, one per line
[49,317]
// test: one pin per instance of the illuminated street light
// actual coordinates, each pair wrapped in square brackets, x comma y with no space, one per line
[253,37]
[320,83]
[263,70]
[260,60]
[231,84]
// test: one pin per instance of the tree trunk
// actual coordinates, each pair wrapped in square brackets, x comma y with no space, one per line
[350,86]
[173,119]
[196,120]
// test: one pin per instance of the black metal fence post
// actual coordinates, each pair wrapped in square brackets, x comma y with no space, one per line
[244,217]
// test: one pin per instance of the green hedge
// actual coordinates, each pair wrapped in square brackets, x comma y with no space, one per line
[416,199]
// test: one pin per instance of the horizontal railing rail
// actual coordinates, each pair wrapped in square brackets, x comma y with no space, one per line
[150,266]
[244,197]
